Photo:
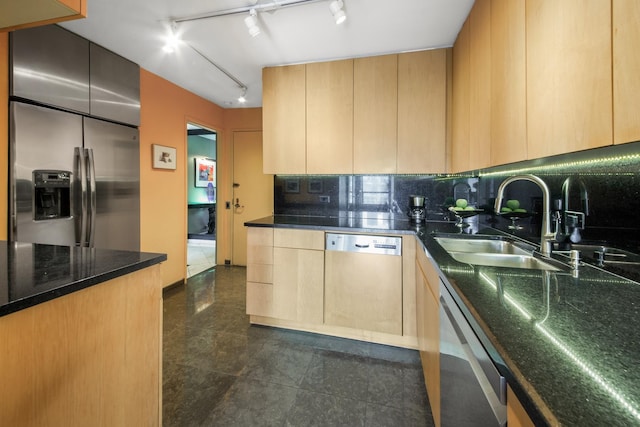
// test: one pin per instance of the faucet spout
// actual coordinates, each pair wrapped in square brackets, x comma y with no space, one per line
[546,236]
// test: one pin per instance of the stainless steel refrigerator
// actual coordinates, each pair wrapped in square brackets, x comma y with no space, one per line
[75,180]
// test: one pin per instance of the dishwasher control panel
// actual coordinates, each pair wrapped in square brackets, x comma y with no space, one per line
[364,243]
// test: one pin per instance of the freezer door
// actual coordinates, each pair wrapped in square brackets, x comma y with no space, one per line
[41,138]
[116,160]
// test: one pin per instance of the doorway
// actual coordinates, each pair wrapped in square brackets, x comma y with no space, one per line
[201,199]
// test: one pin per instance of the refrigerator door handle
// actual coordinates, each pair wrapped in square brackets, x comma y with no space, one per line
[81,174]
[91,172]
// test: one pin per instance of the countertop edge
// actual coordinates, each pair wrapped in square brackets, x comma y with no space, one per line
[77,285]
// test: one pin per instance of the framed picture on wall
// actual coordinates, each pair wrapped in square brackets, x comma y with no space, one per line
[205,172]
[164,157]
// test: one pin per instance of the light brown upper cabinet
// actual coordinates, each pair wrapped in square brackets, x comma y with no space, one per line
[569,85]
[461,102]
[330,117]
[377,115]
[284,120]
[508,82]
[626,69]
[422,104]
[480,85]
[31,13]
[375,104]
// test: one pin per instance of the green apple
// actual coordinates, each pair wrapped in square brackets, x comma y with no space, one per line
[513,204]
[505,210]
[520,210]
[458,208]
[461,203]
[469,208]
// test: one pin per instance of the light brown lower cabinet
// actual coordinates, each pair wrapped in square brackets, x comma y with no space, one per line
[298,275]
[428,322]
[90,358]
[260,271]
[516,414]
[287,288]
[358,301]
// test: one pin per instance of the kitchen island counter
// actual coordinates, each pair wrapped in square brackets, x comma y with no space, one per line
[82,336]
[567,343]
[31,273]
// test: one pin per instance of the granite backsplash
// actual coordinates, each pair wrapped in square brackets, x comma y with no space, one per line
[602,183]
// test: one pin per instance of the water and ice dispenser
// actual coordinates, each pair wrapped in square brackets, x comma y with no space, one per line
[52,194]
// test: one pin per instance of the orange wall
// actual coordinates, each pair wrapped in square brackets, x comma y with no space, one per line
[165,111]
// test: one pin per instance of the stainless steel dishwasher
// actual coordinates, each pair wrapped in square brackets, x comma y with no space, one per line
[472,391]
[363,282]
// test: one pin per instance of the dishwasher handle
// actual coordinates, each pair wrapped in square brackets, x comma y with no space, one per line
[362,245]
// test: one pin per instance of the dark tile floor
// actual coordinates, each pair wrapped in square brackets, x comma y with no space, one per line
[221,371]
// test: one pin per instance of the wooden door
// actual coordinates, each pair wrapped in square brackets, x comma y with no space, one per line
[422,106]
[460,99]
[508,83]
[626,68]
[284,119]
[480,85]
[569,87]
[252,190]
[375,114]
[330,117]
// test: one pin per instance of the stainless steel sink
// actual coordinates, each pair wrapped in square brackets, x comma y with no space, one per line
[499,252]
[492,246]
[503,260]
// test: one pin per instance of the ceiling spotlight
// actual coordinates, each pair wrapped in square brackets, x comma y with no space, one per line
[172,41]
[251,22]
[336,7]
[242,98]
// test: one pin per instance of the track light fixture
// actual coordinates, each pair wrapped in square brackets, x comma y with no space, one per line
[336,7]
[251,22]
[242,98]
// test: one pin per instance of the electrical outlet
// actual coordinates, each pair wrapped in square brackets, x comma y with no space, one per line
[324,199]
[227,205]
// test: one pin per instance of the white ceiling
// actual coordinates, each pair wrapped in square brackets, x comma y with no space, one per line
[137,30]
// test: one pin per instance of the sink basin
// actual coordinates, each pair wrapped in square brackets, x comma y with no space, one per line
[499,252]
[492,246]
[503,260]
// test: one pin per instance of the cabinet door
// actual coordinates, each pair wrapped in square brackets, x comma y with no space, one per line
[516,414]
[626,69]
[284,120]
[31,13]
[375,103]
[368,299]
[480,85]
[508,83]
[428,317]
[460,100]
[330,117]
[298,285]
[422,105]
[260,271]
[569,88]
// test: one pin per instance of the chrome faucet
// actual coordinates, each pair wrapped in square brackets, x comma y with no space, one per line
[546,236]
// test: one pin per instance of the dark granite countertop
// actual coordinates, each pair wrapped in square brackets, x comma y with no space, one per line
[568,346]
[31,274]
